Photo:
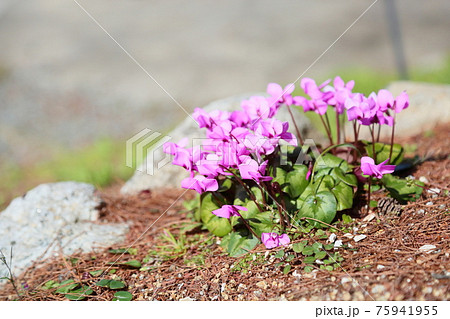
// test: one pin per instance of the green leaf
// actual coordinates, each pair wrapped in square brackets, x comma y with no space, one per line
[103,283]
[66,286]
[349,178]
[308,269]
[317,247]
[346,219]
[50,285]
[115,284]
[96,273]
[297,181]
[321,254]
[309,260]
[131,251]
[344,196]
[262,222]
[321,206]
[329,160]
[122,296]
[307,251]
[237,245]
[217,225]
[279,254]
[133,263]
[290,258]
[280,176]
[225,185]
[286,269]
[79,294]
[401,189]
[382,150]
[298,247]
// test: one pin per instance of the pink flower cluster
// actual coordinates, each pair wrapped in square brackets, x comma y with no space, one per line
[236,142]
[374,109]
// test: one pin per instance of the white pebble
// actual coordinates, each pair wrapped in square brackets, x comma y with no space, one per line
[359,238]
[338,243]
[429,203]
[427,248]
[380,267]
[346,279]
[369,217]
[423,179]
[332,238]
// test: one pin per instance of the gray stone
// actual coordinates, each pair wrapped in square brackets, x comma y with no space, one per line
[429,105]
[53,218]
[169,175]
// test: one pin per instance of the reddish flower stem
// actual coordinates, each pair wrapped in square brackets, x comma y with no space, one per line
[299,136]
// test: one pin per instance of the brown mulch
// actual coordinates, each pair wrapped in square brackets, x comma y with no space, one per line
[386,265]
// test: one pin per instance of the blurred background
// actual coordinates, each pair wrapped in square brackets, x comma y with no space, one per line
[70,96]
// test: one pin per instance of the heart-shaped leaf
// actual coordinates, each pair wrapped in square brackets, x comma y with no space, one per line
[321,206]
[383,150]
[297,181]
[344,196]
[328,160]
[349,178]
[237,245]
[401,189]
[217,225]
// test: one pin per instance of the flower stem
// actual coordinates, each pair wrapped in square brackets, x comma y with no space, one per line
[392,140]
[368,195]
[338,131]
[373,141]
[299,136]
[248,226]
[329,126]
[327,130]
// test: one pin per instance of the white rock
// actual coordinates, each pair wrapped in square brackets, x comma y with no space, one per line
[380,267]
[52,216]
[346,279]
[427,248]
[369,217]
[338,243]
[358,238]
[332,238]
[423,179]
[348,235]
[187,299]
[434,190]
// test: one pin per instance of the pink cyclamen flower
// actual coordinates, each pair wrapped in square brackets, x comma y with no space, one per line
[250,169]
[369,167]
[278,95]
[226,211]
[200,184]
[272,240]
